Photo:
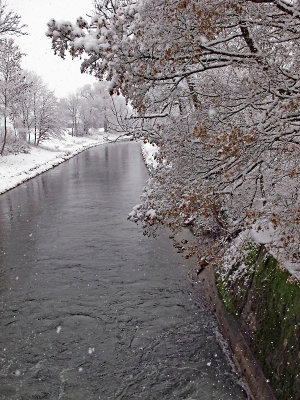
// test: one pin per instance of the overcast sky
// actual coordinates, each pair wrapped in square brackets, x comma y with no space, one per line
[62,76]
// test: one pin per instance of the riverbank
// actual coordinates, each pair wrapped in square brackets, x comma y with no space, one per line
[18,168]
[257,310]
[247,367]
[251,376]
[256,301]
[263,301]
[250,371]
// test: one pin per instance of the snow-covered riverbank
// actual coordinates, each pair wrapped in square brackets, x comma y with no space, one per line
[18,168]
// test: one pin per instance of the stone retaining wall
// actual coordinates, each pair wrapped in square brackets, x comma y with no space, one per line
[264,302]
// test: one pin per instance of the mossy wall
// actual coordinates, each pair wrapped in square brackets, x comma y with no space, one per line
[267,305]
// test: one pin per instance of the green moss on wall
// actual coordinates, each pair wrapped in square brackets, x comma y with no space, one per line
[276,340]
[234,285]
[265,300]
[227,298]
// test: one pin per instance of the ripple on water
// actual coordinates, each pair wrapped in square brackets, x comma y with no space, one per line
[98,311]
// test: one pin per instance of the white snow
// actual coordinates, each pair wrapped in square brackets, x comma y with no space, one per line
[256,235]
[203,39]
[151,213]
[18,168]
[91,43]
[212,112]
[149,152]
[263,235]
[78,42]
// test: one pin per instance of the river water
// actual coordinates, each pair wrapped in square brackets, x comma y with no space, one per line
[90,308]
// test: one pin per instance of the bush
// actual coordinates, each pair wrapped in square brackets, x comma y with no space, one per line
[14,144]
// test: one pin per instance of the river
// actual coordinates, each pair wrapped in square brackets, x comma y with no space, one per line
[92,309]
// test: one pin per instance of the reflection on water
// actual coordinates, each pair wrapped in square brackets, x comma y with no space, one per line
[92,309]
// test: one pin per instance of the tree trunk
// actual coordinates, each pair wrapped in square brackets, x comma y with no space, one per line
[193,93]
[73,126]
[105,122]
[5,134]
[35,119]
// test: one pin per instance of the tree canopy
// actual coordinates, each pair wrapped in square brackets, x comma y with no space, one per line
[216,86]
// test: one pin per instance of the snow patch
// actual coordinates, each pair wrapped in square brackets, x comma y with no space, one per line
[149,152]
[263,235]
[58,329]
[18,168]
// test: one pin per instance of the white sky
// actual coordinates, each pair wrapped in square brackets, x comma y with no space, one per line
[62,76]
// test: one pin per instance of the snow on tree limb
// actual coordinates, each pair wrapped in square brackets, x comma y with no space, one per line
[10,22]
[225,77]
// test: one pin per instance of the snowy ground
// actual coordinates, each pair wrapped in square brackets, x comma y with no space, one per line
[16,169]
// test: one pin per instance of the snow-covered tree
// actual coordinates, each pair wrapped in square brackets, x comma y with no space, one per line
[46,114]
[99,109]
[91,107]
[216,86]
[24,113]
[12,83]
[72,108]
[38,113]
[10,22]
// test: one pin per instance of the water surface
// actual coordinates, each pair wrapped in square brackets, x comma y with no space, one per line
[92,309]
